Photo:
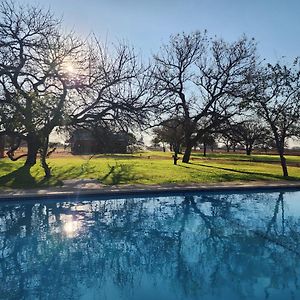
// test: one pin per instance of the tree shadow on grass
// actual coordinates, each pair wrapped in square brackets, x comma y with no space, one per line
[119,173]
[23,179]
[74,172]
[260,175]
[116,156]
[6,165]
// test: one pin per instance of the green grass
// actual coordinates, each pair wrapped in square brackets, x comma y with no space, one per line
[243,157]
[294,159]
[146,168]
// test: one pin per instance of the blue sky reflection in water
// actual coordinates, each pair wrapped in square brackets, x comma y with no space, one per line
[201,246]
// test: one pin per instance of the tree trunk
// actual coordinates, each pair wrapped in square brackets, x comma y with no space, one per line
[187,153]
[2,146]
[204,149]
[280,149]
[43,153]
[283,165]
[45,166]
[32,151]
[175,156]
[249,149]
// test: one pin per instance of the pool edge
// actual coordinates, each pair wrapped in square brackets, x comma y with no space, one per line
[62,192]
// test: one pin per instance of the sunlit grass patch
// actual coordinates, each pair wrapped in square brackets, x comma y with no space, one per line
[143,168]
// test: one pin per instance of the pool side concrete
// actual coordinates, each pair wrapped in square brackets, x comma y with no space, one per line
[93,187]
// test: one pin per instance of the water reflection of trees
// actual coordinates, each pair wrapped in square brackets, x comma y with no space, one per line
[210,245]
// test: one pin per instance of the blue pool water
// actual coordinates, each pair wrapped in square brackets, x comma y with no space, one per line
[193,246]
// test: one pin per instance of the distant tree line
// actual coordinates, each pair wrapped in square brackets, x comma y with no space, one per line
[246,134]
[196,89]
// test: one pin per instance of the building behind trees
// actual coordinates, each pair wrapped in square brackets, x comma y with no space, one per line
[101,140]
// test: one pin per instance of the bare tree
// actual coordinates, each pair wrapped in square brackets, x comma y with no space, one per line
[49,79]
[227,139]
[206,140]
[202,80]
[275,98]
[171,132]
[247,133]
[115,91]
[34,82]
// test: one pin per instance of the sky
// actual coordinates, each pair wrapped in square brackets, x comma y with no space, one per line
[146,24]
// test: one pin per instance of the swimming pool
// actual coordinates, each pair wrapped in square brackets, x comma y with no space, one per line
[188,246]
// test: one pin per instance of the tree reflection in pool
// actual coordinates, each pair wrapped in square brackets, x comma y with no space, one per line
[197,246]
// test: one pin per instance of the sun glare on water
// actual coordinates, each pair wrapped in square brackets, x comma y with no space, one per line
[71,228]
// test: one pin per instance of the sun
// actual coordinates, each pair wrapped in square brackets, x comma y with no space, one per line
[69,67]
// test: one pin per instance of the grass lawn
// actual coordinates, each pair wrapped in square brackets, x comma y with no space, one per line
[147,168]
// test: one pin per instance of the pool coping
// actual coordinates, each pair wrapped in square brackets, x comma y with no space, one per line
[84,187]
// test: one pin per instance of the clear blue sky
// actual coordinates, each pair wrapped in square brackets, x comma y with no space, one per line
[275,24]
